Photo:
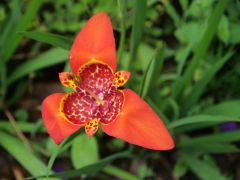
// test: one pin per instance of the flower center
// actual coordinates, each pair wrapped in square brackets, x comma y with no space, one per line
[96,96]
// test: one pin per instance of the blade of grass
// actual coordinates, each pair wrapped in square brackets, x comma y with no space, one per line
[147,78]
[202,119]
[202,169]
[87,170]
[213,138]
[194,127]
[60,148]
[117,172]
[123,14]
[30,162]
[227,108]
[140,8]
[49,58]
[215,148]
[25,127]
[26,20]
[151,74]
[172,12]
[201,85]
[201,47]
[8,28]
[48,38]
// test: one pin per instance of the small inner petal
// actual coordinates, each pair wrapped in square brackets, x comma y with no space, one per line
[121,77]
[91,127]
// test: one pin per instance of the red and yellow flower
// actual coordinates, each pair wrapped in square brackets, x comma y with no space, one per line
[97,99]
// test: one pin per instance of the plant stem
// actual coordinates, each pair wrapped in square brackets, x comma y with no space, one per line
[114,171]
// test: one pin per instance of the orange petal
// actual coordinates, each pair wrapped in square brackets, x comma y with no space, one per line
[94,41]
[138,124]
[121,77]
[57,127]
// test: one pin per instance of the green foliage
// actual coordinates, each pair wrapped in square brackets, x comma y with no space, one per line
[84,151]
[42,61]
[49,38]
[28,160]
[183,60]
[202,168]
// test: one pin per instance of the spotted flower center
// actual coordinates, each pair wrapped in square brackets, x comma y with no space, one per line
[96,97]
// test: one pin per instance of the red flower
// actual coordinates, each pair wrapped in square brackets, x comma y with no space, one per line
[96,98]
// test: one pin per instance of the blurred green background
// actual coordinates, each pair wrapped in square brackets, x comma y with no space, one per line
[184,58]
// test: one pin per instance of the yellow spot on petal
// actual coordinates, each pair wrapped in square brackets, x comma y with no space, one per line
[121,77]
[91,127]
[69,80]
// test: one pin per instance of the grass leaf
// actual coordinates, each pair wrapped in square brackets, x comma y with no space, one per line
[49,38]
[49,58]
[25,22]
[123,13]
[196,119]
[227,108]
[202,169]
[213,138]
[201,46]
[30,162]
[152,73]
[201,85]
[88,170]
[140,8]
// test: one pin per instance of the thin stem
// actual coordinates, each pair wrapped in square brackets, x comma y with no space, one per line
[114,171]
[18,131]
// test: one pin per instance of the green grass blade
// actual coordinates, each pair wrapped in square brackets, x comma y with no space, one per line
[8,28]
[172,12]
[196,126]
[197,119]
[202,169]
[49,58]
[59,149]
[213,138]
[201,85]
[114,171]
[152,73]
[140,7]
[88,170]
[48,38]
[147,78]
[30,162]
[123,13]
[216,148]
[25,127]
[227,108]
[201,46]
[26,20]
